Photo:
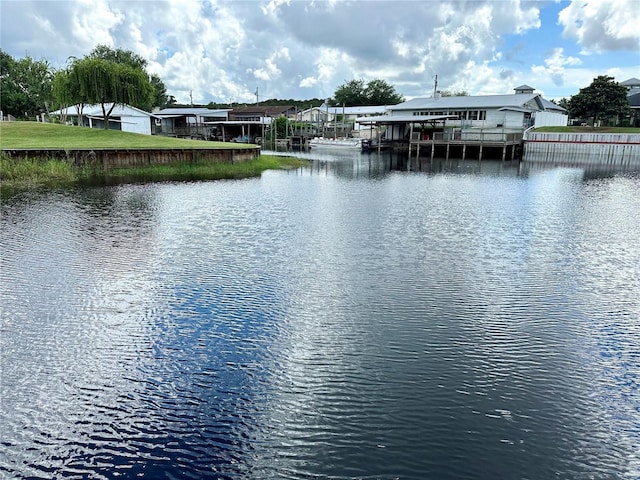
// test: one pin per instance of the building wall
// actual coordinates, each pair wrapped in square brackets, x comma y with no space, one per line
[550,119]
[136,125]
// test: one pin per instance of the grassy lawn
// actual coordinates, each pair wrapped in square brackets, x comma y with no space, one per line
[34,135]
[588,129]
[17,174]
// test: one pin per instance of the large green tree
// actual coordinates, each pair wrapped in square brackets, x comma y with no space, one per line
[603,99]
[25,86]
[127,57]
[97,81]
[356,93]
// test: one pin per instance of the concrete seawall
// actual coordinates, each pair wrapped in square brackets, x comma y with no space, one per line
[117,157]
[620,150]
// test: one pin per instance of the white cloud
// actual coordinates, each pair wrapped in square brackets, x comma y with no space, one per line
[219,50]
[601,25]
[555,66]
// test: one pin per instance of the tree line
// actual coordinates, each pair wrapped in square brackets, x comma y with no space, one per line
[108,76]
[30,87]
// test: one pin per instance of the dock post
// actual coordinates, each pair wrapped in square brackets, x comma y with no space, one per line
[480,152]
[433,149]
[504,151]
[464,150]
[447,156]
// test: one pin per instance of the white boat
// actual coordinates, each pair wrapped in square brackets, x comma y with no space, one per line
[321,142]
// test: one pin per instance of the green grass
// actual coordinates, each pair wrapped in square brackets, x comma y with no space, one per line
[34,135]
[571,129]
[19,174]
[38,172]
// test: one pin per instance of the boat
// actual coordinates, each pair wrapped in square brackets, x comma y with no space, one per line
[344,143]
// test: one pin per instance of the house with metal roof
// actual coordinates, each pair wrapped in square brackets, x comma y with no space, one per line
[515,111]
[122,117]
[483,120]
[188,122]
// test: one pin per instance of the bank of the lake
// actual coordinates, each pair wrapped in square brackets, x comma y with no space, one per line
[37,154]
[615,147]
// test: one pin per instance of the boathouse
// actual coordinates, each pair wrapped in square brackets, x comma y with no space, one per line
[122,117]
[188,122]
[464,123]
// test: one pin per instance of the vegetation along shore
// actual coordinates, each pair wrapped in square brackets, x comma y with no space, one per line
[47,170]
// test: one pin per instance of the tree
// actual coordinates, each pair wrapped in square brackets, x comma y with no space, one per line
[25,86]
[351,94]
[376,92]
[99,81]
[604,98]
[454,93]
[379,92]
[127,57]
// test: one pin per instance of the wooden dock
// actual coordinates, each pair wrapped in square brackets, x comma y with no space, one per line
[462,141]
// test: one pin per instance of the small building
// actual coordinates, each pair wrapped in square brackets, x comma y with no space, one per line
[123,117]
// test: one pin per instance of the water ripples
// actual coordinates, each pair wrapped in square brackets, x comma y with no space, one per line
[307,326]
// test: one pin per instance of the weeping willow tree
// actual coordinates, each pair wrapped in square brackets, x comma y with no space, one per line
[99,81]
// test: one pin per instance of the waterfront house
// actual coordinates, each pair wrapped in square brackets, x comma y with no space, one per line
[514,111]
[188,122]
[123,117]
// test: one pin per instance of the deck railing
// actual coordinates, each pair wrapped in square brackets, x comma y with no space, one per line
[469,137]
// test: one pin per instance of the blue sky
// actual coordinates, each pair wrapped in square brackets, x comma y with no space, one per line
[220,50]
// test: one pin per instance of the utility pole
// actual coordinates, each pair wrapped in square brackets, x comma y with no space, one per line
[257,97]
[435,86]
[191,97]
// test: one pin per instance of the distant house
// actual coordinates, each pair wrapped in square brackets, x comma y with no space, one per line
[346,117]
[633,95]
[515,111]
[261,112]
[123,117]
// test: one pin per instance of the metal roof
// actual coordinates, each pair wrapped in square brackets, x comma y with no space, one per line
[466,102]
[196,111]
[96,110]
[390,119]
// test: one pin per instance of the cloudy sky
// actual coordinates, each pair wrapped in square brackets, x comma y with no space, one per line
[219,50]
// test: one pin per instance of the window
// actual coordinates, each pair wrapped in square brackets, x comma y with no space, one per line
[483,115]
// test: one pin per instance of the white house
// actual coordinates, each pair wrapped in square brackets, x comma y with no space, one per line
[513,112]
[123,117]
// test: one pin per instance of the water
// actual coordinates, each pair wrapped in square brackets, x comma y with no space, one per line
[339,321]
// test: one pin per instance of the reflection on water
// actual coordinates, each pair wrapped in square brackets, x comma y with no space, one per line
[357,318]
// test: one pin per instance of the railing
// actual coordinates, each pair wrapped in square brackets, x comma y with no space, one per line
[469,137]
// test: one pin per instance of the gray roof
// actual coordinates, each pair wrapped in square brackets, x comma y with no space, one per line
[95,110]
[632,82]
[199,111]
[479,101]
[390,119]
[361,110]
[524,87]
[548,105]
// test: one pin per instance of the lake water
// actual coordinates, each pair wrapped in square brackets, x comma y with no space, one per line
[338,321]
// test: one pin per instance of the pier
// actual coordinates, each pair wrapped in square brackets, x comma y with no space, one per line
[463,141]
